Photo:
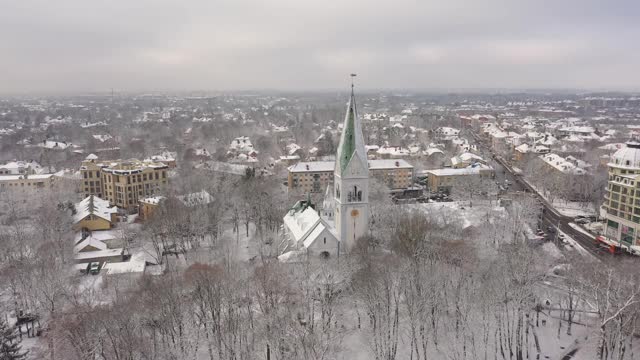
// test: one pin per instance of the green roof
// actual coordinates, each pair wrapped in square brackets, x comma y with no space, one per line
[349,144]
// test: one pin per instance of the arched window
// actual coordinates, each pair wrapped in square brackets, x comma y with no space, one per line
[325,240]
[360,195]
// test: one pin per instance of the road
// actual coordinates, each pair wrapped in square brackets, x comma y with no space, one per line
[550,216]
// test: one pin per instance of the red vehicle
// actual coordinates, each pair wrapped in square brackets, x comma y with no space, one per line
[608,246]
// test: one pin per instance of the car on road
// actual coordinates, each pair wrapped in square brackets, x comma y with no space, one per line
[582,221]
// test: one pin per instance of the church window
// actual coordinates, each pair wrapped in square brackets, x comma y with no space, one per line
[359,195]
[325,240]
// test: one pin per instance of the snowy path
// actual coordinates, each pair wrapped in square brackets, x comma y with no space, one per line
[242,246]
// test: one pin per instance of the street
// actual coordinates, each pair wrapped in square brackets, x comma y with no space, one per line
[550,217]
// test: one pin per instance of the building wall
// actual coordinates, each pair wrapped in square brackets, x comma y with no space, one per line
[146,210]
[310,181]
[394,178]
[28,184]
[315,182]
[445,182]
[92,222]
[325,242]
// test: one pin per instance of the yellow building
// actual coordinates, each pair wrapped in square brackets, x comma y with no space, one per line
[93,214]
[148,206]
[26,183]
[396,174]
[315,176]
[123,183]
[445,179]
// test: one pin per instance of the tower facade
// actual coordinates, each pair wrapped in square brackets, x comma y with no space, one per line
[351,181]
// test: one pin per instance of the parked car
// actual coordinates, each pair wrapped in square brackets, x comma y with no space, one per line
[94,268]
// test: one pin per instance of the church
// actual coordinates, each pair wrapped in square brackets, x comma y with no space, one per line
[344,216]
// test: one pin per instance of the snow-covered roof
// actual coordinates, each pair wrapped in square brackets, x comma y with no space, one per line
[382,164]
[102,137]
[300,220]
[329,166]
[471,170]
[292,148]
[58,145]
[430,151]
[136,264]
[628,156]
[305,225]
[242,144]
[165,156]
[393,151]
[523,148]
[562,164]
[312,166]
[100,209]
[194,199]
[447,131]
[466,157]
[99,254]
[153,200]
[577,129]
[612,147]
[32,177]
[20,167]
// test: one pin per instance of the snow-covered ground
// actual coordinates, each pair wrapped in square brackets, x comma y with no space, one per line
[574,208]
[479,213]
[575,245]
[567,208]
[579,228]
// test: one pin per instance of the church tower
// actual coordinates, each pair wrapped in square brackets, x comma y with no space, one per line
[351,181]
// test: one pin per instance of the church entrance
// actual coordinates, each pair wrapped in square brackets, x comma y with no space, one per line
[324,255]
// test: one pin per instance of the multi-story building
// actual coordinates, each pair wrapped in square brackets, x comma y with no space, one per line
[123,183]
[568,176]
[315,176]
[442,180]
[621,207]
[26,183]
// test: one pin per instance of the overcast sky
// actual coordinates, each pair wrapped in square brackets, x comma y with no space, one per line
[96,45]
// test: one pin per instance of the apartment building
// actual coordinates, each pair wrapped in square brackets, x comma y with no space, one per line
[315,176]
[123,183]
[443,180]
[26,182]
[621,207]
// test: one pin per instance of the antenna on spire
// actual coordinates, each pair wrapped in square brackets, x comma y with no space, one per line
[352,76]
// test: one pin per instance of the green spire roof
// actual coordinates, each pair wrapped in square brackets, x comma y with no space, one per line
[351,141]
[348,139]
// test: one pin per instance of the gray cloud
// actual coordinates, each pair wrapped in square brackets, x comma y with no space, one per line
[79,45]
